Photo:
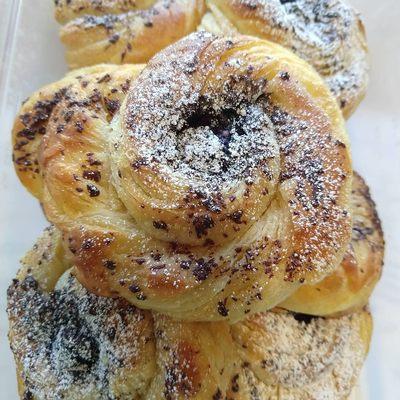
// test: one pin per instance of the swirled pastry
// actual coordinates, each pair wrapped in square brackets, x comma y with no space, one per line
[212,188]
[350,286]
[72,345]
[69,344]
[121,31]
[326,33]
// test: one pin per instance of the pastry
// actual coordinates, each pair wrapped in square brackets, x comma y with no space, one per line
[210,187]
[328,34]
[121,31]
[69,344]
[73,345]
[210,238]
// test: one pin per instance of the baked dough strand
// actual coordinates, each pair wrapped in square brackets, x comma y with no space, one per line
[123,31]
[210,186]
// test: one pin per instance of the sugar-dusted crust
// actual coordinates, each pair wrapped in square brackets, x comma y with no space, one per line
[351,284]
[72,345]
[210,187]
[301,357]
[328,34]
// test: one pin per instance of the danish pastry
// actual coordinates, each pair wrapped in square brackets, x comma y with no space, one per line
[72,345]
[120,31]
[212,188]
[326,33]
[69,344]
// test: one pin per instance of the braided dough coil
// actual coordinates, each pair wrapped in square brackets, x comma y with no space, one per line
[349,287]
[212,188]
[71,344]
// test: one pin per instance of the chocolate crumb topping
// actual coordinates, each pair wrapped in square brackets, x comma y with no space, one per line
[202,223]
[93,190]
[92,175]
[160,225]
[222,310]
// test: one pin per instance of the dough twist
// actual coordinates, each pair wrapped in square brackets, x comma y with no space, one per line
[328,34]
[70,344]
[349,287]
[120,31]
[212,188]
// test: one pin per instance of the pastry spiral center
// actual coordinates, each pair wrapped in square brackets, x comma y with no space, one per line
[75,338]
[200,131]
[214,147]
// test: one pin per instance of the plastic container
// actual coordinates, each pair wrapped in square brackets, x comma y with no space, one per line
[31,56]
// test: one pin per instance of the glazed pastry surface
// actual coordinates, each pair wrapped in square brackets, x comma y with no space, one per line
[70,344]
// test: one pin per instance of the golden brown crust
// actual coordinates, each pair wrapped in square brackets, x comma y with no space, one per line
[189,237]
[350,286]
[46,261]
[76,346]
[67,10]
[328,34]
[123,32]
[108,84]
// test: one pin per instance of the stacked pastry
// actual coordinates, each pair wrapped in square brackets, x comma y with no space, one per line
[209,237]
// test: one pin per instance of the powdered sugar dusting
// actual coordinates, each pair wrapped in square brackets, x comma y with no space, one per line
[73,344]
[207,138]
[326,33]
[306,357]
